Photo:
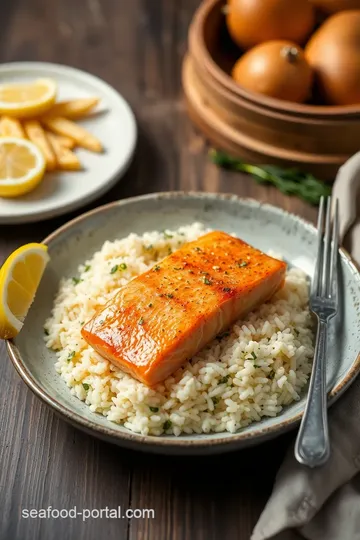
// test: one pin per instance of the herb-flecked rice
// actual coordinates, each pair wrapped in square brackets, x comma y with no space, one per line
[250,372]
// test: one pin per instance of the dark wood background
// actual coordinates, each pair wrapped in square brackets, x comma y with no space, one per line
[137,46]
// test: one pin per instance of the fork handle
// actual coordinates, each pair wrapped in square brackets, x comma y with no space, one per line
[312,447]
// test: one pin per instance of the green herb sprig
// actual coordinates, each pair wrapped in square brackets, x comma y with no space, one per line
[289,181]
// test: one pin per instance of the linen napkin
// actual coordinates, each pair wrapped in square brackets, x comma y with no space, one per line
[324,503]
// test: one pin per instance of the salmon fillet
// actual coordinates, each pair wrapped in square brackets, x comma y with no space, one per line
[162,318]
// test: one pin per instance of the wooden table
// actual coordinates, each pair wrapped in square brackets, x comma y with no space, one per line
[137,46]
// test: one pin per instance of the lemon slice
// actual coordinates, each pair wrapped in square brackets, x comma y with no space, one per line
[19,279]
[22,166]
[27,99]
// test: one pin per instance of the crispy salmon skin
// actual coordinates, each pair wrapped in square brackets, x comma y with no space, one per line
[162,318]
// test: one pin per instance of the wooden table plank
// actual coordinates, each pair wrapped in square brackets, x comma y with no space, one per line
[137,46]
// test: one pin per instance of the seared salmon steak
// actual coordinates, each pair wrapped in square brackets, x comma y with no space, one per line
[162,318]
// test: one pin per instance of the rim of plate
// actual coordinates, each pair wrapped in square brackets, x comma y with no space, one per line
[165,440]
[96,192]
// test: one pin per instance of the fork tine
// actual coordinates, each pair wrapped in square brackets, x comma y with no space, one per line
[334,255]
[315,284]
[325,288]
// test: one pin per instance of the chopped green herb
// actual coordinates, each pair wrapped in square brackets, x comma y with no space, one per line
[123,266]
[197,249]
[257,367]
[156,268]
[149,248]
[207,281]
[224,380]
[82,323]
[46,332]
[169,251]
[86,386]
[102,322]
[76,280]
[141,320]
[242,264]
[150,305]
[226,289]
[167,235]
[215,400]
[178,268]
[169,295]
[71,356]
[114,269]
[154,409]
[254,355]
[167,425]
[87,268]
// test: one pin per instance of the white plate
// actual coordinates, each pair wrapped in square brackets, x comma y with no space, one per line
[62,192]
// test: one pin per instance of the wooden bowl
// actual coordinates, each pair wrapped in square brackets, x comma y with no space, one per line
[238,142]
[313,136]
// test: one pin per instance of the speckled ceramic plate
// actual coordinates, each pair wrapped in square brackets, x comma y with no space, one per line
[262,225]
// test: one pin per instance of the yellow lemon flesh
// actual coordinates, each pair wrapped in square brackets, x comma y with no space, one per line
[20,276]
[22,166]
[23,100]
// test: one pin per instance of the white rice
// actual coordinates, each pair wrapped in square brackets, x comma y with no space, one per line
[252,372]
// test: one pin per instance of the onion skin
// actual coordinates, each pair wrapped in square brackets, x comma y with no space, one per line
[251,22]
[333,52]
[277,69]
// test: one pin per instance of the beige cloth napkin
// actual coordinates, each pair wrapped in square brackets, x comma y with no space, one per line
[324,503]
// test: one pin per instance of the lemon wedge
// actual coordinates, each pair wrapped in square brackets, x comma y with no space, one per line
[22,166]
[20,276]
[27,99]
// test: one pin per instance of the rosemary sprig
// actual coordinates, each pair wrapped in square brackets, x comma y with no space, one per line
[288,181]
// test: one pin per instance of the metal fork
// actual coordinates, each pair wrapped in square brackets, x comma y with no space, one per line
[312,447]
